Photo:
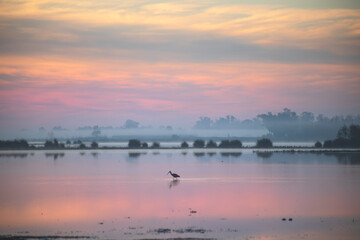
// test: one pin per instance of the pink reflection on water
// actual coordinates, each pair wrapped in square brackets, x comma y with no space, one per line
[89,200]
[43,195]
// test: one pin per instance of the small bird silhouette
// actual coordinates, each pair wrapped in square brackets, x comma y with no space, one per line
[174,175]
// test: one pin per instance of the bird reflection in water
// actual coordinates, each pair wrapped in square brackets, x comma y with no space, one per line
[174,183]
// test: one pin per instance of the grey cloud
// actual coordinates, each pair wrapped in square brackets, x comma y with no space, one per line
[156,45]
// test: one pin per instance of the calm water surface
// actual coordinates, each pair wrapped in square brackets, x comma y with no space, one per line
[221,194]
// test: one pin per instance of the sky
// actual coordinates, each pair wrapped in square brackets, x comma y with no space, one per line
[90,62]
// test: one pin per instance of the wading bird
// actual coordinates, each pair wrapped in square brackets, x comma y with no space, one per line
[173,174]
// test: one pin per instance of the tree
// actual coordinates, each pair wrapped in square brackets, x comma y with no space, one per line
[94,144]
[16,144]
[264,143]
[144,145]
[199,143]
[184,145]
[346,137]
[318,144]
[343,133]
[307,117]
[224,144]
[96,131]
[131,124]
[134,143]
[328,144]
[355,133]
[211,144]
[53,144]
[82,146]
[230,144]
[235,144]
[203,123]
[155,145]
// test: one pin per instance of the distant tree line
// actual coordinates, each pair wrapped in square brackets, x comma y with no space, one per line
[288,125]
[16,145]
[347,137]
[261,143]
[136,144]
[228,122]
[49,144]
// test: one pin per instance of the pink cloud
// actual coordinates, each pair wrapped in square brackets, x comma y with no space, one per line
[118,89]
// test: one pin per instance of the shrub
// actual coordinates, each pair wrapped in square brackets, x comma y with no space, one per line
[264,143]
[318,144]
[230,144]
[211,144]
[134,143]
[235,144]
[328,144]
[224,144]
[53,145]
[16,144]
[184,145]
[199,143]
[82,146]
[94,144]
[155,145]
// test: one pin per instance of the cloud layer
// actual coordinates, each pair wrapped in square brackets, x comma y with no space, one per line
[65,61]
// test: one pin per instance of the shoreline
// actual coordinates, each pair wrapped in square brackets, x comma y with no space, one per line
[279,149]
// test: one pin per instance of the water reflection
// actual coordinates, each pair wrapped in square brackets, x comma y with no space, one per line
[76,192]
[288,157]
[230,154]
[54,155]
[299,157]
[199,154]
[14,155]
[349,158]
[211,154]
[266,154]
[174,183]
[134,154]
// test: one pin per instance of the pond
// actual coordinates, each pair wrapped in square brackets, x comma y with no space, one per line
[232,194]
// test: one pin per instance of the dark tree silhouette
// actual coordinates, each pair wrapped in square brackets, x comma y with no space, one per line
[199,143]
[211,144]
[94,144]
[155,145]
[346,137]
[144,145]
[82,146]
[235,144]
[328,144]
[16,144]
[53,145]
[264,143]
[355,134]
[230,144]
[134,143]
[318,144]
[287,125]
[343,133]
[184,145]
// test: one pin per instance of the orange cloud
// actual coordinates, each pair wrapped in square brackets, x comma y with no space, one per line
[335,30]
